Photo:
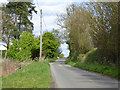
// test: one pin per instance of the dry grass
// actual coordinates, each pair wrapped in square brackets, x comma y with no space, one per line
[9,67]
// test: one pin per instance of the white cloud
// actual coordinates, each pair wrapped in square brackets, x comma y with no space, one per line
[3,1]
[65,51]
[50,9]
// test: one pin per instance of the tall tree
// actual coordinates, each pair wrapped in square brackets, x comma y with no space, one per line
[7,26]
[22,12]
[16,19]
[50,45]
[76,24]
[93,24]
[103,21]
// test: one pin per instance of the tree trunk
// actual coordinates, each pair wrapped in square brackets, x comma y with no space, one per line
[8,42]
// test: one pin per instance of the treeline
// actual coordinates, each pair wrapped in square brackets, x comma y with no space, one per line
[28,47]
[16,18]
[93,25]
[17,29]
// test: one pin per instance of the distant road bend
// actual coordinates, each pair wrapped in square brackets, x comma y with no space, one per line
[66,76]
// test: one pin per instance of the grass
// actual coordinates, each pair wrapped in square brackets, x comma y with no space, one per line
[52,59]
[105,70]
[92,62]
[35,75]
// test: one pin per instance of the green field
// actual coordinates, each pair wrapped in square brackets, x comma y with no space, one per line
[35,75]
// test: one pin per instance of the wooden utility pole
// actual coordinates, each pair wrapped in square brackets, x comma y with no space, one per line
[40,35]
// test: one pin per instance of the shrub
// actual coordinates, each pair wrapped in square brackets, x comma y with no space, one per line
[80,57]
[13,49]
[61,55]
[21,49]
[50,45]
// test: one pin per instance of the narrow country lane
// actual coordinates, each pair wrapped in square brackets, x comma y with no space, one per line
[66,76]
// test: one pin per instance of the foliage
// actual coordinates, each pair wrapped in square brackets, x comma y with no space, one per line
[77,30]
[28,47]
[93,61]
[16,19]
[104,29]
[13,50]
[58,35]
[92,25]
[49,45]
[7,26]
[81,57]
[29,77]
[22,12]
[59,51]
[61,55]
[21,49]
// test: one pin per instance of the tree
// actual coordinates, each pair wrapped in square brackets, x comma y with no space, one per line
[21,11]
[26,45]
[22,49]
[76,25]
[58,35]
[104,22]
[49,45]
[16,19]
[7,26]
[91,25]
[13,50]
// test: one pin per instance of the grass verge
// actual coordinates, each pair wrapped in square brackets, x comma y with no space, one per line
[52,59]
[105,70]
[35,75]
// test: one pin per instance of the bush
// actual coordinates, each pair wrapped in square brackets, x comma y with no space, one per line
[50,45]
[21,50]
[67,60]
[91,56]
[61,55]
[28,47]
[80,57]
[13,49]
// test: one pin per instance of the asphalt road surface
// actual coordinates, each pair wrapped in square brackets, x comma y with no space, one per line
[66,76]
